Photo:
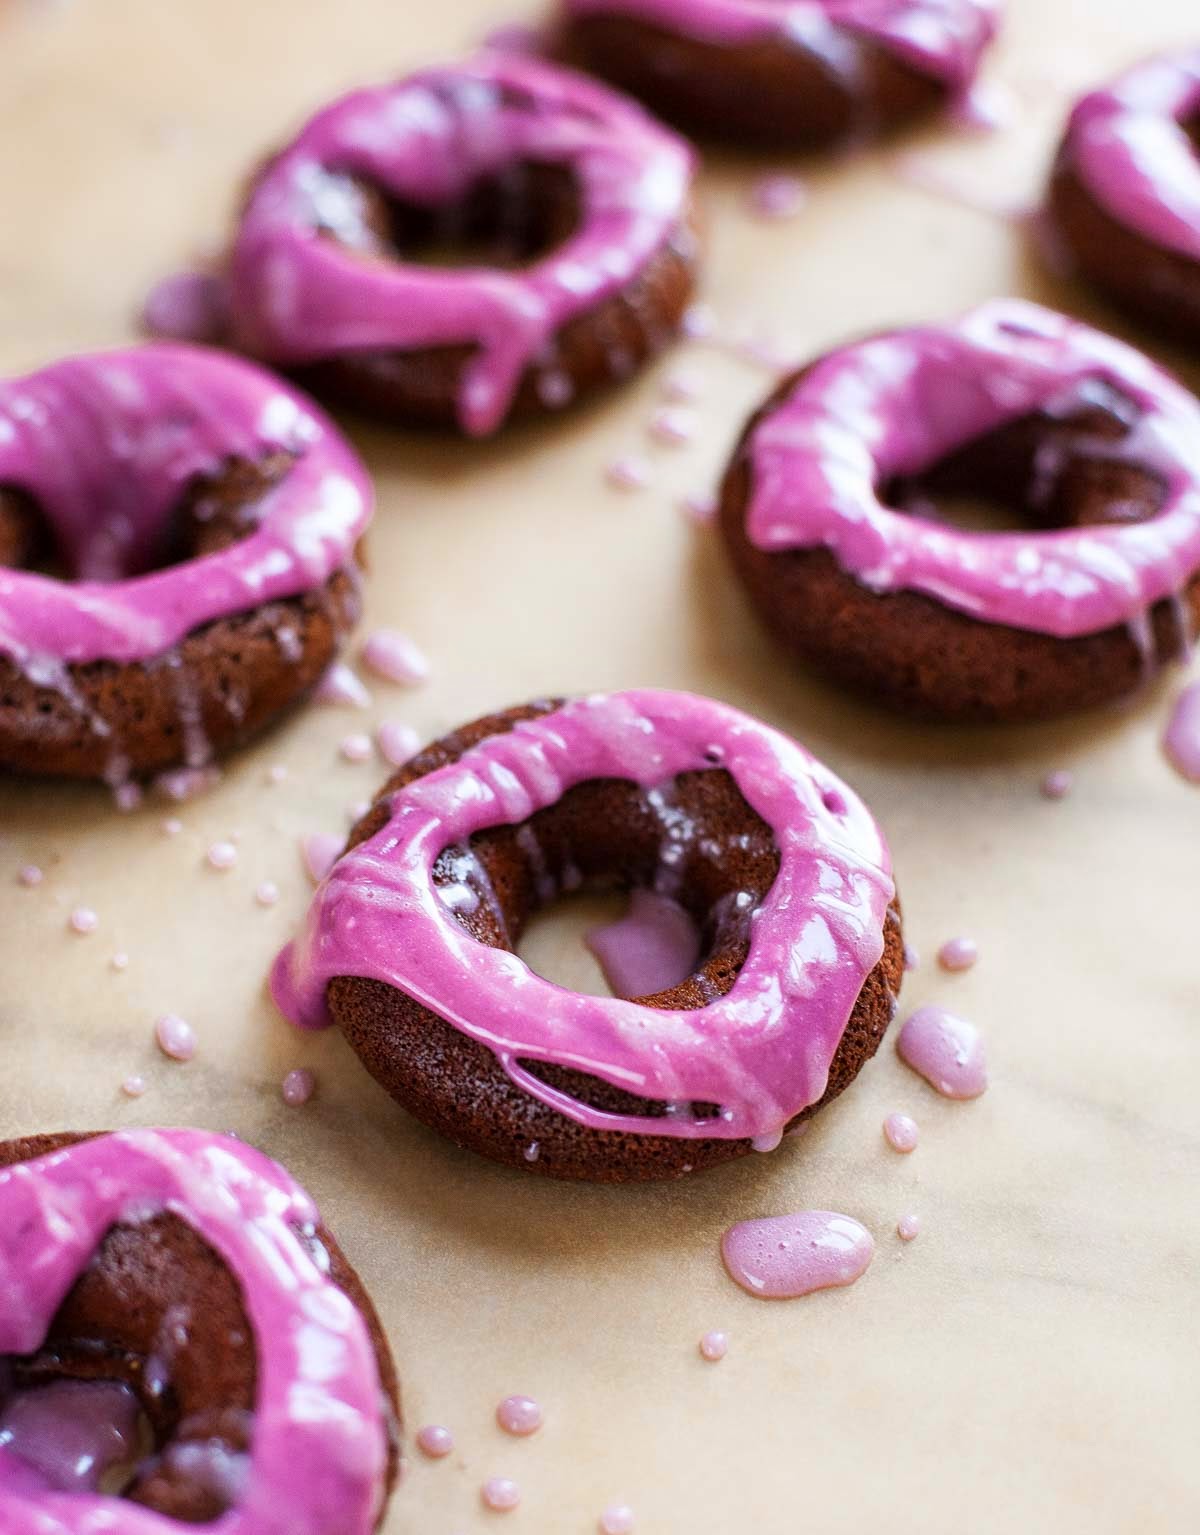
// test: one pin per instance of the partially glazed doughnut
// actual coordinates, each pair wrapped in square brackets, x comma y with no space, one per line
[409,944]
[1124,199]
[826,512]
[578,205]
[189,528]
[190,1275]
[783,76]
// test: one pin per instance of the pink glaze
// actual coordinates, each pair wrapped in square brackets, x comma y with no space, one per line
[342,686]
[435,1441]
[629,473]
[672,426]
[320,852]
[912,957]
[777,196]
[519,1415]
[185,783]
[652,948]
[947,1051]
[172,826]
[786,1256]
[134,1087]
[68,1434]
[699,322]
[908,1228]
[267,893]
[356,747]
[941,38]
[958,954]
[762,1052]
[188,306]
[714,1346]
[394,657]
[106,444]
[1057,785]
[617,1519]
[398,743]
[1182,740]
[83,920]
[175,1037]
[700,507]
[500,1494]
[898,403]
[120,960]
[221,856]
[319,1454]
[297,297]
[901,1133]
[30,876]
[298,1087]
[1128,145]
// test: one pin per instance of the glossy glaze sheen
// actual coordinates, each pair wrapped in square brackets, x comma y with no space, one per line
[897,404]
[762,1052]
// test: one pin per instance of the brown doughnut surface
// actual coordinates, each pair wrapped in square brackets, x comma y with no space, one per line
[120,1313]
[604,833]
[772,93]
[923,658]
[217,688]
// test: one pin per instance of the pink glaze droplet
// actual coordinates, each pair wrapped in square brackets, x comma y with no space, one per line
[267,893]
[172,826]
[134,1087]
[176,1038]
[617,1519]
[394,657]
[1057,785]
[83,920]
[519,1415]
[652,948]
[533,1151]
[120,960]
[946,1050]
[29,876]
[714,1346]
[777,196]
[435,1441]
[398,743]
[187,306]
[128,796]
[699,322]
[342,687]
[356,747]
[222,855]
[321,851]
[958,954]
[501,1494]
[185,783]
[628,474]
[277,773]
[912,957]
[786,1256]
[681,388]
[699,507]
[673,426]
[1182,740]
[908,1227]
[901,1132]
[298,1087]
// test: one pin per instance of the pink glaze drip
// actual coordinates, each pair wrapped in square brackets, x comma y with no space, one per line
[356,747]
[298,297]
[901,1133]
[519,1415]
[777,196]
[319,1453]
[298,1087]
[135,1087]
[1128,145]
[958,954]
[941,38]
[394,657]
[266,893]
[342,687]
[435,1441]
[762,1052]
[175,1037]
[947,1051]
[320,852]
[1182,740]
[1057,785]
[69,1434]
[398,743]
[188,306]
[898,403]
[629,473]
[714,1346]
[221,856]
[652,948]
[617,1519]
[786,1256]
[106,444]
[30,875]
[83,920]
[908,1228]
[500,1494]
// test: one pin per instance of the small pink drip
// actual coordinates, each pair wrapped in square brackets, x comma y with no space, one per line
[267,893]
[182,784]
[628,474]
[176,1037]
[985,108]
[343,688]
[777,196]
[1182,740]
[673,426]
[786,1256]
[71,1432]
[946,1050]
[134,1087]
[699,322]
[435,1441]
[617,1519]
[1057,785]
[714,1346]
[83,920]
[700,507]
[912,956]
[958,954]
[394,657]
[222,856]
[29,876]
[128,796]
[277,773]
[681,389]
[120,960]
[652,948]
[298,1087]
[967,191]
[187,306]
[320,851]
[501,1494]
[356,747]
[519,1415]
[398,743]
[901,1132]
[908,1227]
[172,826]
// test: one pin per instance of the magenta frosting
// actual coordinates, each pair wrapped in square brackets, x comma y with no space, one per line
[762,1052]
[319,1454]
[106,444]
[896,404]
[299,297]
[1128,145]
[941,38]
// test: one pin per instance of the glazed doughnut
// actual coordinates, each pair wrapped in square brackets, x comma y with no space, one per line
[783,76]
[1124,199]
[1083,438]
[579,202]
[191,1276]
[191,525]
[409,944]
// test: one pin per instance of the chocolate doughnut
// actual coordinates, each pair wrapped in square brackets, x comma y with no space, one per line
[409,944]
[575,204]
[191,1275]
[190,528]
[1123,207]
[826,513]
[762,73]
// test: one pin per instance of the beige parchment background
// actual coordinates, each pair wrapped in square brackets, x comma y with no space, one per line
[1030,1363]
